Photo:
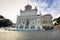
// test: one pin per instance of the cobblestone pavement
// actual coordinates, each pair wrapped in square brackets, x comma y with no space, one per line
[31,35]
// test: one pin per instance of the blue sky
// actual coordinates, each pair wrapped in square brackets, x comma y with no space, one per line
[11,8]
[49,2]
[48,7]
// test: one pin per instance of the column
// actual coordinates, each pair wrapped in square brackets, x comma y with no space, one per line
[18,26]
[35,27]
[24,27]
[29,26]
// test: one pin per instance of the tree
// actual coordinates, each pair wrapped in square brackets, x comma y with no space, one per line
[57,21]
[5,22]
[55,24]
[1,20]
[1,23]
[1,17]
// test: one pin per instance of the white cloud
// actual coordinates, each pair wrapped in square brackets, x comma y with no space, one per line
[10,8]
[40,5]
[54,8]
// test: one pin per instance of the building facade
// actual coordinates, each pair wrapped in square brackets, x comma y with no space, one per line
[47,21]
[29,20]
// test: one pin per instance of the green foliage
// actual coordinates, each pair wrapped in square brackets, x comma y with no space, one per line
[1,17]
[55,24]
[57,21]
[5,22]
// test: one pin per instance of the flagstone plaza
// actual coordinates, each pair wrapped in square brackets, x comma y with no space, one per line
[31,35]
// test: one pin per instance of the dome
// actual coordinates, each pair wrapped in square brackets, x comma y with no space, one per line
[27,7]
